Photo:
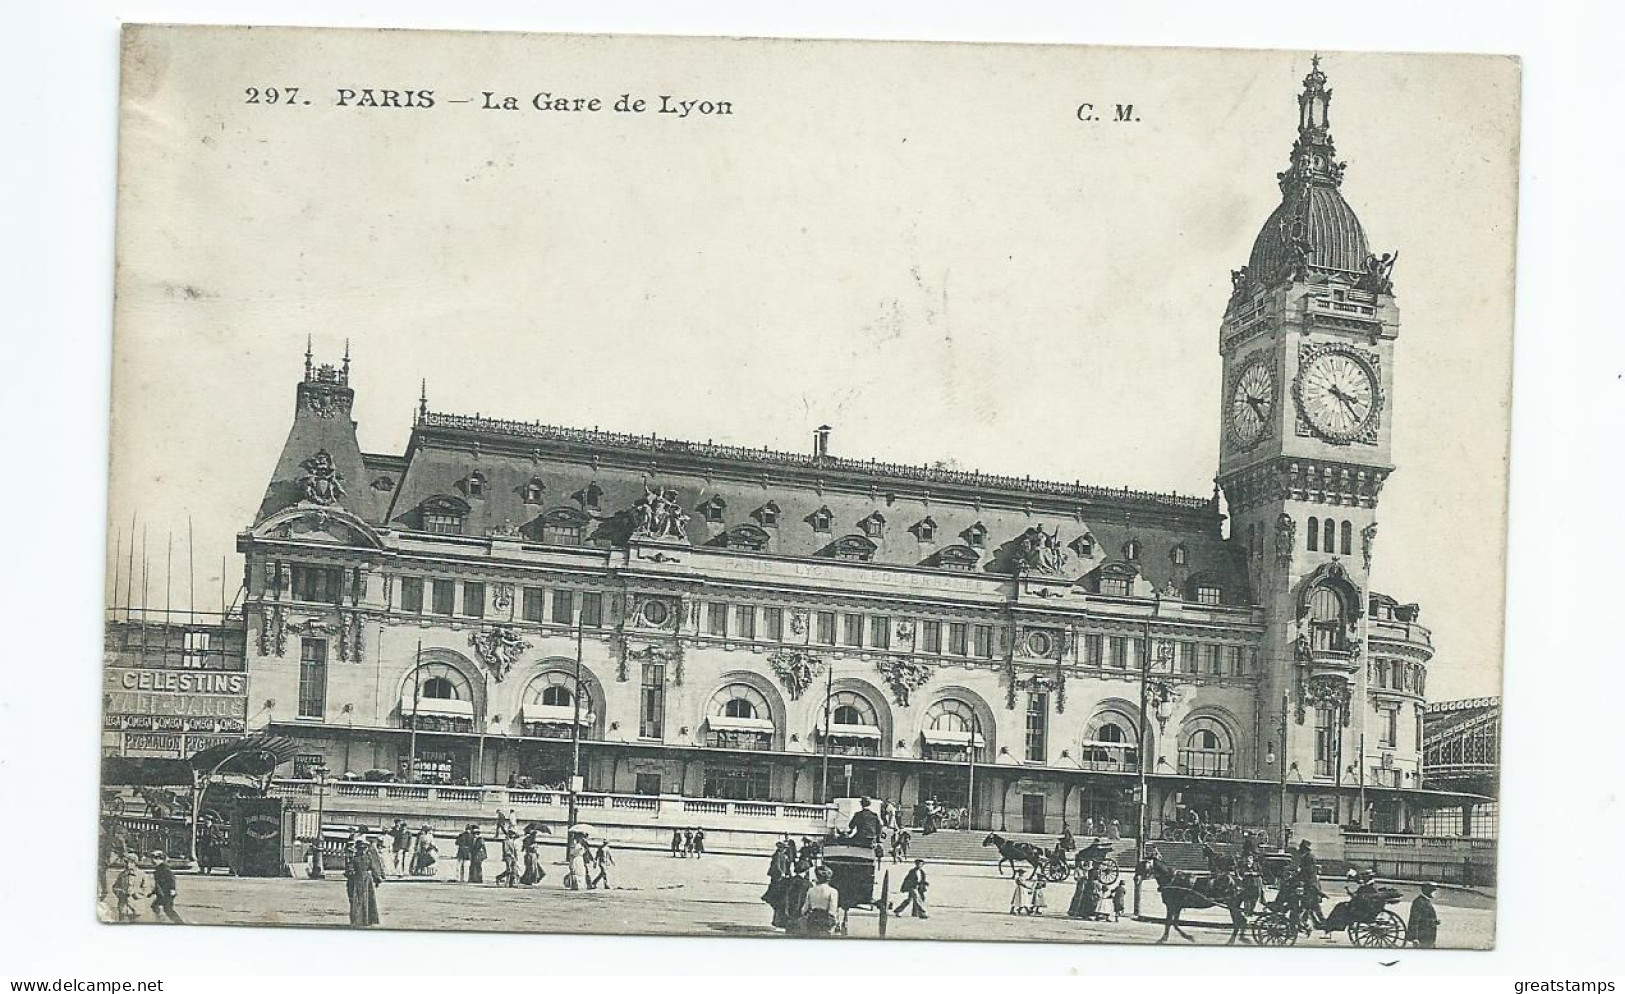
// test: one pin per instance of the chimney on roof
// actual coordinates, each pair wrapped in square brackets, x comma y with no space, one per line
[821,441]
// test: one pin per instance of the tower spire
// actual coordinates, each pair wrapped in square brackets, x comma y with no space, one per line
[423,400]
[310,357]
[344,375]
[1314,157]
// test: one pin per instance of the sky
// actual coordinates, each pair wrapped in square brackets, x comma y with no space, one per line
[921,245]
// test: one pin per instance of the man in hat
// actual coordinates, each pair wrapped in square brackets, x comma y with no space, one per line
[401,837]
[914,886]
[510,858]
[1309,882]
[163,888]
[127,887]
[1423,928]
[864,828]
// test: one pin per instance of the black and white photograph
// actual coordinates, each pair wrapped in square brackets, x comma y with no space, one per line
[806,489]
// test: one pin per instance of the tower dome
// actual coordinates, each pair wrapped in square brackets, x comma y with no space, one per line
[1314,228]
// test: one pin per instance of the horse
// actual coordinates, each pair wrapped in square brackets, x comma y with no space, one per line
[1183,890]
[1013,852]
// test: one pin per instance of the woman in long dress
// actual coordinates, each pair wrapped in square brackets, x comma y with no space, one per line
[363,872]
[476,856]
[576,852]
[423,853]
[533,859]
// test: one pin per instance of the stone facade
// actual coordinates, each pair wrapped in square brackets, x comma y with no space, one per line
[756,625]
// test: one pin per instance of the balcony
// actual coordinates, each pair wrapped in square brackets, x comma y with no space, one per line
[1204,763]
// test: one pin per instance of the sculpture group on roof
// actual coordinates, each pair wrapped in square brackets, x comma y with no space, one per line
[658,515]
[1039,551]
[322,482]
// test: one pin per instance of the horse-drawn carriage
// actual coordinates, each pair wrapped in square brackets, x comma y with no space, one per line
[1053,864]
[1365,918]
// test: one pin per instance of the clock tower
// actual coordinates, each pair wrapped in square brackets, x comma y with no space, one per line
[1307,342]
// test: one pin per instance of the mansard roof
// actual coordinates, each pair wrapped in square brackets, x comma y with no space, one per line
[446,450]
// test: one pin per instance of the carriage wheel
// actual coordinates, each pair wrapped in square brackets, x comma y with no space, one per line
[1109,871]
[1055,872]
[1274,929]
[1385,931]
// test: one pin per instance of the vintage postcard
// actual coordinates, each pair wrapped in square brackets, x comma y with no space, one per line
[782,488]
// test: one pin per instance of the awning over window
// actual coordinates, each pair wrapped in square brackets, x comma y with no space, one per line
[1099,744]
[445,707]
[723,723]
[938,737]
[840,731]
[554,714]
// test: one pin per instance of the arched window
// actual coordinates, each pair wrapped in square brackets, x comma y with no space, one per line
[739,717]
[1180,555]
[1205,749]
[1347,537]
[854,725]
[437,697]
[1110,742]
[951,728]
[1325,605]
[1314,534]
[1131,550]
[1330,536]
[549,707]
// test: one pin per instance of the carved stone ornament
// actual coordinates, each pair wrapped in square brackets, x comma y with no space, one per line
[324,401]
[1368,539]
[904,632]
[904,675]
[798,622]
[499,649]
[273,636]
[1329,691]
[796,670]
[502,596]
[350,638]
[322,482]
[671,655]
[1038,551]
[658,516]
[1286,538]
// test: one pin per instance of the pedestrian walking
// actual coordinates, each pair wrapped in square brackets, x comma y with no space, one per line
[534,874]
[688,842]
[779,871]
[601,862]
[510,858]
[476,856]
[699,842]
[464,845]
[423,853]
[363,872]
[676,843]
[401,842]
[163,888]
[1114,830]
[504,822]
[1119,900]
[575,852]
[914,887]
[1423,928]
[127,888]
[1018,896]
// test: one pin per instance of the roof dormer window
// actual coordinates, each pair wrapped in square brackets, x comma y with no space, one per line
[926,529]
[712,510]
[975,536]
[1179,556]
[1131,550]
[589,495]
[768,515]
[821,519]
[475,484]
[874,525]
[1084,545]
[534,491]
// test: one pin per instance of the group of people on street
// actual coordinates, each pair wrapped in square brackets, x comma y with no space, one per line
[131,885]
[686,842]
[1300,888]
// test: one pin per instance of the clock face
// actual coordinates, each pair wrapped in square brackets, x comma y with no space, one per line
[1252,403]
[1337,393]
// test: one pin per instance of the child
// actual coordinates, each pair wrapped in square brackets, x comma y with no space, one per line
[1018,897]
[1119,898]
[1036,905]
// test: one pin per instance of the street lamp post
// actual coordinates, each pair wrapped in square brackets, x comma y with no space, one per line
[317,871]
[1165,695]
[1280,724]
